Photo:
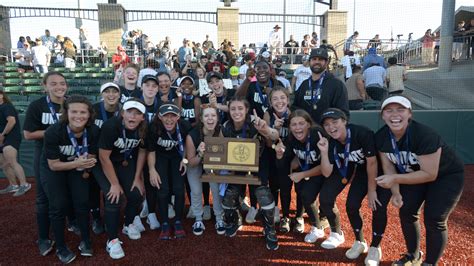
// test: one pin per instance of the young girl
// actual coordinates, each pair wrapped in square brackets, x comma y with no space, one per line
[167,161]
[239,125]
[122,156]
[302,144]
[40,115]
[350,155]
[190,103]
[10,139]
[129,88]
[70,150]
[420,169]
[168,94]
[195,148]
[218,97]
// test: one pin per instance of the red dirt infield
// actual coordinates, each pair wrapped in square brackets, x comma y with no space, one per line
[18,231]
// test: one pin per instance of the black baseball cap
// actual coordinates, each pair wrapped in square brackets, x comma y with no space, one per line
[213,74]
[169,108]
[149,77]
[319,52]
[333,113]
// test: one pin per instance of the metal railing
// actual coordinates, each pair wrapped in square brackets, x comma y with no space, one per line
[420,102]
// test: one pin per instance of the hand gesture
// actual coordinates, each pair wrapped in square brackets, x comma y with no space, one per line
[201,148]
[323,143]
[114,193]
[155,179]
[278,122]
[385,181]
[250,73]
[212,100]
[397,200]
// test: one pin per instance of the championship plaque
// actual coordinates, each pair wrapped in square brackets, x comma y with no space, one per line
[231,160]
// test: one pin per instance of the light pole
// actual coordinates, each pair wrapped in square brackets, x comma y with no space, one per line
[284,21]
[354,17]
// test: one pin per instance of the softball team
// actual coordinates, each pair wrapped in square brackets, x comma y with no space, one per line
[152,143]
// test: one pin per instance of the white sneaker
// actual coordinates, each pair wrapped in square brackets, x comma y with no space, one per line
[333,241]
[138,224]
[250,217]
[313,235]
[245,205]
[356,249]
[171,212]
[277,215]
[152,221]
[114,248]
[207,213]
[198,228]
[144,212]
[374,256]
[131,231]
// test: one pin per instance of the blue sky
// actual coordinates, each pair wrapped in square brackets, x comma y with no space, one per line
[371,17]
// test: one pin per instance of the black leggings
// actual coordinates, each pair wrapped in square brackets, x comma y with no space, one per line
[42,202]
[168,169]
[64,186]
[285,185]
[125,177]
[356,195]
[309,190]
[150,191]
[327,199]
[94,198]
[439,198]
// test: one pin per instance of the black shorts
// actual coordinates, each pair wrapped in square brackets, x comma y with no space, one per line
[14,142]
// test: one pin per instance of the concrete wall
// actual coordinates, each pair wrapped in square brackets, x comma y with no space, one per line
[228,25]
[335,28]
[5,38]
[111,23]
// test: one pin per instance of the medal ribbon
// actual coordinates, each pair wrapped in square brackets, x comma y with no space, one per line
[126,152]
[343,168]
[401,167]
[180,140]
[307,158]
[51,109]
[155,108]
[316,93]
[103,112]
[263,98]
[85,147]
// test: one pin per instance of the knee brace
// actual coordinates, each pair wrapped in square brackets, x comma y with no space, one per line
[231,198]
[265,198]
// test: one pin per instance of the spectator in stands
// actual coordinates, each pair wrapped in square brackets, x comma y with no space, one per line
[282,78]
[183,52]
[120,59]
[69,54]
[351,43]
[48,40]
[373,58]
[102,50]
[396,75]
[41,57]
[168,94]
[30,41]
[302,73]
[275,40]
[149,70]
[314,40]
[277,65]
[427,49]
[355,89]
[469,29]
[306,44]
[84,41]
[458,40]
[374,79]
[190,68]
[348,62]
[130,88]
[10,139]
[59,58]
[20,42]
[207,43]
[175,74]
[437,40]
[249,60]
[24,58]
[375,42]
[291,46]
[59,45]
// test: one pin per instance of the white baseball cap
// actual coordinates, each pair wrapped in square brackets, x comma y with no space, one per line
[266,54]
[134,104]
[397,99]
[109,85]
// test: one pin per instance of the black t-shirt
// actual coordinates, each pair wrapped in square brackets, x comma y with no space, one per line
[195,135]
[362,146]
[260,102]
[172,96]
[333,94]
[229,131]
[152,109]
[39,117]
[99,116]
[284,130]
[111,138]
[166,144]
[57,144]
[6,110]
[126,94]
[422,140]
[187,110]
[296,148]
[224,99]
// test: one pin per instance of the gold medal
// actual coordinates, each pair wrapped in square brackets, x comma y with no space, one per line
[344,181]
[125,163]
[306,178]
[85,175]
[274,146]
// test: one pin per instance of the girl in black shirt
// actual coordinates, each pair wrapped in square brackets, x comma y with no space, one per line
[239,125]
[166,162]
[130,88]
[190,102]
[167,93]
[218,97]
[350,156]
[302,144]
[70,151]
[122,156]
[421,170]
[10,139]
